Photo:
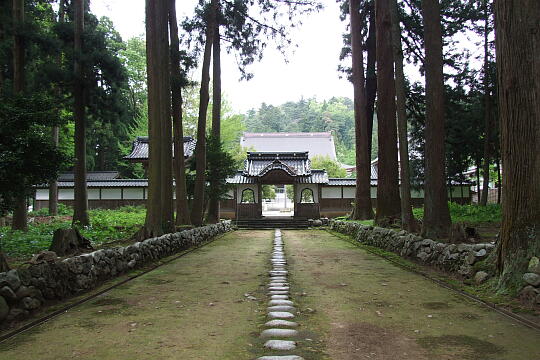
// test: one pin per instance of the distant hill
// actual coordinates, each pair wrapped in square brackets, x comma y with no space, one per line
[310,115]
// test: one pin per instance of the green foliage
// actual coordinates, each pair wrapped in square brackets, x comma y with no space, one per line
[333,168]
[289,191]
[268,192]
[471,214]
[62,211]
[25,139]
[107,226]
[309,115]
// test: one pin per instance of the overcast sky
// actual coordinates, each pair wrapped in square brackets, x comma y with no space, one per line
[311,69]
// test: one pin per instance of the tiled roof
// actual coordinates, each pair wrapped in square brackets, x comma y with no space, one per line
[114,183]
[316,177]
[239,178]
[91,175]
[140,148]
[347,182]
[260,163]
[320,143]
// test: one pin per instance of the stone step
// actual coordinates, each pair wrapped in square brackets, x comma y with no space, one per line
[280,344]
[280,315]
[281,357]
[280,323]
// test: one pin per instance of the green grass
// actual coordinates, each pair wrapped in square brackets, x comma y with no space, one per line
[471,214]
[106,226]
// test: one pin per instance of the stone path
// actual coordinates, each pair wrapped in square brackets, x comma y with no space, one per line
[280,330]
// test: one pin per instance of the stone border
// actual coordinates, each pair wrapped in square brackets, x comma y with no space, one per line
[28,288]
[458,258]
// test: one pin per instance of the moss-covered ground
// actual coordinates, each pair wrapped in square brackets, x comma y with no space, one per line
[353,305]
[192,308]
[363,307]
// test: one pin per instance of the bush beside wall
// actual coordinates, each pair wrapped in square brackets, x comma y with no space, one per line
[30,287]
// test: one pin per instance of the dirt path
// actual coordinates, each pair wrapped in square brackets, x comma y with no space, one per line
[363,307]
[192,308]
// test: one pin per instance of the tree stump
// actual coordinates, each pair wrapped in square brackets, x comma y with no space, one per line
[69,242]
[4,266]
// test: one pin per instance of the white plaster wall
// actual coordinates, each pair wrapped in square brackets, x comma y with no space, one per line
[349,192]
[133,193]
[42,194]
[242,187]
[93,194]
[111,194]
[331,192]
[65,194]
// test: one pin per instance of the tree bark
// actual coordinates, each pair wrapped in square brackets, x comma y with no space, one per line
[197,213]
[388,201]
[213,208]
[53,185]
[518,71]
[371,75]
[499,182]
[55,131]
[80,210]
[20,213]
[362,203]
[182,209]
[407,220]
[436,213]
[487,111]
[159,213]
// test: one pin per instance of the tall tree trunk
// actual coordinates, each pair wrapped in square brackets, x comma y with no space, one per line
[213,208]
[362,203]
[477,172]
[371,74]
[388,202]
[55,131]
[407,220]
[20,213]
[182,209]
[159,214]
[499,183]
[197,212]
[53,185]
[487,110]
[518,69]
[80,210]
[436,213]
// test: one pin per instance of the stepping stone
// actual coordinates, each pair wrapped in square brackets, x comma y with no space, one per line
[278,272]
[278,278]
[280,345]
[278,288]
[280,303]
[279,333]
[278,292]
[278,283]
[280,315]
[279,297]
[286,308]
[281,323]
[281,357]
